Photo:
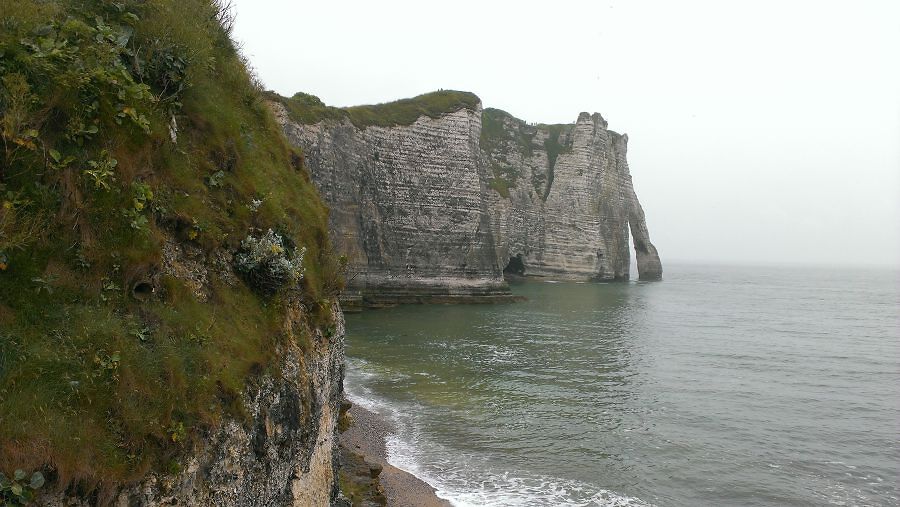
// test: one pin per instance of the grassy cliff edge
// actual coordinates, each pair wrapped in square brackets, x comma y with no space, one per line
[132,130]
[307,109]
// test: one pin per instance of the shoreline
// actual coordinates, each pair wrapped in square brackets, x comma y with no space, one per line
[367,436]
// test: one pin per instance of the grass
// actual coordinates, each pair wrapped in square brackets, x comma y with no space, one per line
[308,109]
[501,186]
[554,148]
[502,132]
[552,145]
[496,134]
[97,388]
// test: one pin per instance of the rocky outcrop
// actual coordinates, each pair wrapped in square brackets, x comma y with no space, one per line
[564,200]
[283,451]
[439,208]
[282,454]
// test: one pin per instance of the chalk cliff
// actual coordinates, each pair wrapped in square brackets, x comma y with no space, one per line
[438,205]
[563,199]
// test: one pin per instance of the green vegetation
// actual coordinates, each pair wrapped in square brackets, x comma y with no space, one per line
[308,109]
[16,491]
[358,480]
[553,148]
[496,138]
[268,264]
[495,135]
[501,131]
[552,144]
[501,185]
[109,369]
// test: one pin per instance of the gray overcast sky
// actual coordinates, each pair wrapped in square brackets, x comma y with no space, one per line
[760,131]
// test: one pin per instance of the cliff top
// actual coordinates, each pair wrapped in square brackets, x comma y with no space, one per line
[308,109]
[499,114]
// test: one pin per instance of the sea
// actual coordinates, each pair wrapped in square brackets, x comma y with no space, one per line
[719,386]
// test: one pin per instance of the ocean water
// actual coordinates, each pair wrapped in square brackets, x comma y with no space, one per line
[718,386]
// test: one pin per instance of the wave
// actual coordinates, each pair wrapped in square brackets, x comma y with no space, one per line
[468,480]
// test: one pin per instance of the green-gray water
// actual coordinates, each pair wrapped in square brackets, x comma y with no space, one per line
[718,386]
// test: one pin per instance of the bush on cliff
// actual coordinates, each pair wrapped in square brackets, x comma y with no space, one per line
[131,131]
[268,264]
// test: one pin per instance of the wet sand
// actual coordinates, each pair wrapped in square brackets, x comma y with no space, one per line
[366,436]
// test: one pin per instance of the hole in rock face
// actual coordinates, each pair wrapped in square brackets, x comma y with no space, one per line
[142,290]
[515,266]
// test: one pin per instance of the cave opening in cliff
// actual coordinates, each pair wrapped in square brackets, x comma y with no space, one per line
[515,266]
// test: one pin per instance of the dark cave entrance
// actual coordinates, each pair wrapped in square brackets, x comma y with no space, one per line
[515,266]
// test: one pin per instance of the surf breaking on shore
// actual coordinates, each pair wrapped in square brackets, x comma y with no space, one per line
[367,435]
[418,472]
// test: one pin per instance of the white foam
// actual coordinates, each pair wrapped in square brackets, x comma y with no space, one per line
[470,485]
[467,481]
[356,389]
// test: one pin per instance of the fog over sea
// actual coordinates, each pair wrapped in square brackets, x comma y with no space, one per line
[718,386]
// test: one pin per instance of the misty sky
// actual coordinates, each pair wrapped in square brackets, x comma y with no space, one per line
[760,132]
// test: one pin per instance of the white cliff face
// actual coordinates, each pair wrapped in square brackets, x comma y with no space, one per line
[570,198]
[437,209]
[407,205]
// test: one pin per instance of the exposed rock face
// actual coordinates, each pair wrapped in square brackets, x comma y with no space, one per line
[407,205]
[565,200]
[282,454]
[439,208]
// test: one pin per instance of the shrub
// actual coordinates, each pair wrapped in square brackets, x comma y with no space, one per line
[15,491]
[267,264]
